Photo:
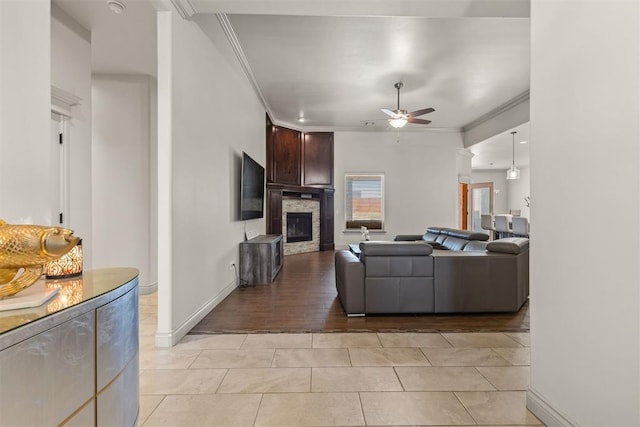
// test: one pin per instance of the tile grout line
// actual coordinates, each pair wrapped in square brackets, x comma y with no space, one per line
[194,359]
[222,380]
[364,417]
[398,377]
[455,394]
[255,418]
[486,379]
[154,409]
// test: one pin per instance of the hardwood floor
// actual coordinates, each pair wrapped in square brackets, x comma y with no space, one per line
[303,298]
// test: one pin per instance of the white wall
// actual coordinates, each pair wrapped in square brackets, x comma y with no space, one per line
[208,114]
[499,179]
[122,165]
[421,179]
[25,110]
[585,295]
[71,72]
[517,190]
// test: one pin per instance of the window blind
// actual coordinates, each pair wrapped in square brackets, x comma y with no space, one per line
[364,204]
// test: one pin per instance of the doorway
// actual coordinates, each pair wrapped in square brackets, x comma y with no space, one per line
[463,205]
[480,202]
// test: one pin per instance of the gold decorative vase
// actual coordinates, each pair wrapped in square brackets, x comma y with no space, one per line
[24,249]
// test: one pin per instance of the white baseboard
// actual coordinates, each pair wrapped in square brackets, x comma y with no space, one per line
[148,289]
[166,340]
[541,408]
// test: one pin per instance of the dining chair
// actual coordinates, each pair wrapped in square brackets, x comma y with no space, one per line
[503,229]
[520,226]
[486,223]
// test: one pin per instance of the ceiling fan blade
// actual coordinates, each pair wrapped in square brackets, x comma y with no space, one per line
[418,121]
[390,113]
[421,112]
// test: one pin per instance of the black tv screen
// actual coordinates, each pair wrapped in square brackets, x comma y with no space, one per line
[251,189]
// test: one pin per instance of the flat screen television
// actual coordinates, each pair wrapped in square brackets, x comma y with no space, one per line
[251,189]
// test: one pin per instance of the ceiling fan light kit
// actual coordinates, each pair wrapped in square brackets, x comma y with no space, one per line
[399,117]
[513,172]
[398,123]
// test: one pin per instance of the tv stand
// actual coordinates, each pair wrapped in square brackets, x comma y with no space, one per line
[261,259]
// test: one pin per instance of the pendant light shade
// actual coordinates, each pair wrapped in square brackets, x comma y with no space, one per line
[513,172]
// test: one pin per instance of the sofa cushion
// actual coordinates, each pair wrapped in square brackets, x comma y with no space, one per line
[509,245]
[475,245]
[454,243]
[468,235]
[441,238]
[396,248]
[435,230]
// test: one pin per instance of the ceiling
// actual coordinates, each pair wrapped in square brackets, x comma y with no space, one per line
[338,72]
[335,62]
[496,152]
[120,44]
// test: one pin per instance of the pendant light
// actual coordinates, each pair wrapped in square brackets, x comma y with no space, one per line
[513,172]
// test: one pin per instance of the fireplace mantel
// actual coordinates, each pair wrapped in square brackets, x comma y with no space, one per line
[275,194]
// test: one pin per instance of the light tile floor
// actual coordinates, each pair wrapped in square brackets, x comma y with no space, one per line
[335,379]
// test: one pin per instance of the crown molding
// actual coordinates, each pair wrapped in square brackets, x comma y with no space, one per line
[62,101]
[523,97]
[223,19]
[184,8]
[466,153]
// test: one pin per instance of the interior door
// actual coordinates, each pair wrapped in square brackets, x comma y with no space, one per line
[463,206]
[480,202]
[54,208]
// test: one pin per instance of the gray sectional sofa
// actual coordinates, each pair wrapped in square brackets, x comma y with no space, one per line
[463,275]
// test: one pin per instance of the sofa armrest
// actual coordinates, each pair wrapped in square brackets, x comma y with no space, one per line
[407,237]
[509,245]
[350,282]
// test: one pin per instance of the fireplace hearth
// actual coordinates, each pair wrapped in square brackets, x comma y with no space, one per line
[299,227]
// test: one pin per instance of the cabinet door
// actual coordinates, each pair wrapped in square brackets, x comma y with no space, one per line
[286,156]
[326,221]
[274,213]
[318,158]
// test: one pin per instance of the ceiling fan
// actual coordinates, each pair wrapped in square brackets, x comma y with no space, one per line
[400,117]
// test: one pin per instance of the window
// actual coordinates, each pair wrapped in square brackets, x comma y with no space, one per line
[364,201]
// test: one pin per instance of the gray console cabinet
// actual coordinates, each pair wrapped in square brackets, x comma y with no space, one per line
[261,259]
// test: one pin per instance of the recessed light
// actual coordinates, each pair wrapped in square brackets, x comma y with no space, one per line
[523,142]
[301,119]
[116,7]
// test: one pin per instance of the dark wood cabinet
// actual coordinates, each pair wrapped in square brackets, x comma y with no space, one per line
[317,152]
[298,158]
[326,220]
[274,211]
[286,156]
[300,163]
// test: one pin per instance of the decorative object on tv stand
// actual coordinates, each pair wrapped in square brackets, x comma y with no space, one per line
[365,233]
[513,172]
[68,265]
[24,249]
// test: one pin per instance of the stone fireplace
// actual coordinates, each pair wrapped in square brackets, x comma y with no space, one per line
[301,225]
